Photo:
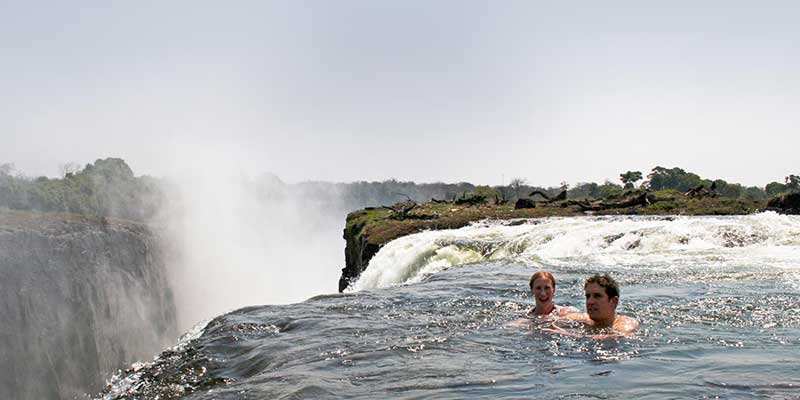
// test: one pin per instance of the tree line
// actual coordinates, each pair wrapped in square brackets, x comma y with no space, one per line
[108,187]
[105,188]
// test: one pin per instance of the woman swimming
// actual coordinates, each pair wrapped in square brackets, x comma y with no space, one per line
[543,289]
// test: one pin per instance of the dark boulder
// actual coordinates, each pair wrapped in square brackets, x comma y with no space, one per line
[700,191]
[473,200]
[561,196]
[788,203]
[524,203]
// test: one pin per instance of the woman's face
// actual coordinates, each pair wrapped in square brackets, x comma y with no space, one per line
[543,291]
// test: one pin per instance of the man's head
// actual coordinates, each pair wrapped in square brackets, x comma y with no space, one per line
[543,287]
[602,297]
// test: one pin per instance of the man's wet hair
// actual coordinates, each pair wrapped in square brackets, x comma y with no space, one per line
[606,282]
[541,275]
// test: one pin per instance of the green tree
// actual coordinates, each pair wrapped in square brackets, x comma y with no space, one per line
[6,169]
[672,178]
[583,190]
[485,191]
[629,178]
[106,188]
[725,189]
[793,183]
[774,189]
[609,189]
[753,193]
[517,184]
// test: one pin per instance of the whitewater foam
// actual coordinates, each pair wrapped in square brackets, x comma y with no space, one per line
[664,242]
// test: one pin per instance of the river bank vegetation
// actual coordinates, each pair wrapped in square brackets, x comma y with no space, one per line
[108,187]
[390,209]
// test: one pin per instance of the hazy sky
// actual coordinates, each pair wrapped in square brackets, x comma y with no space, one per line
[415,90]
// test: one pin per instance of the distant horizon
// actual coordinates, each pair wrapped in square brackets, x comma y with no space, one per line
[507,178]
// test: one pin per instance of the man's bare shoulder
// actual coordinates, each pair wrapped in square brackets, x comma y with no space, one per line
[625,325]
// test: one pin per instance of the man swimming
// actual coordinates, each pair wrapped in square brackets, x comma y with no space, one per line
[602,297]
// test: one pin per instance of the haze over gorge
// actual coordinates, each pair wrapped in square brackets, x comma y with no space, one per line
[102,270]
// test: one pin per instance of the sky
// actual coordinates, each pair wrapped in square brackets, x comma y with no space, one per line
[483,92]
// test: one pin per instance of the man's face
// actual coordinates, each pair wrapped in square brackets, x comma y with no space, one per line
[543,291]
[598,305]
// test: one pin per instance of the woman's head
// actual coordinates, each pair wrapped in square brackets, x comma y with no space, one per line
[542,275]
[543,288]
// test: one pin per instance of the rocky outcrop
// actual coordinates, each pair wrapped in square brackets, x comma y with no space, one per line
[524,203]
[787,203]
[367,230]
[628,200]
[79,298]
[358,251]
[701,191]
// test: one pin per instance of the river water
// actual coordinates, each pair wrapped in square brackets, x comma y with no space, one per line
[718,299]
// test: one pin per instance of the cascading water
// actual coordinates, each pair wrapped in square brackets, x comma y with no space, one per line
[431,317]
[79,299]
[610,241]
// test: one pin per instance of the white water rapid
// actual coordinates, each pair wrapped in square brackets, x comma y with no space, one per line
[766,239]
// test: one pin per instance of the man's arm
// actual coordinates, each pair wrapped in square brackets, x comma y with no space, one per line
[577,317]
[561,331]
[566,310]
[519,323]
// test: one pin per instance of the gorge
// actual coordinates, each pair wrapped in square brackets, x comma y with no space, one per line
[81,298]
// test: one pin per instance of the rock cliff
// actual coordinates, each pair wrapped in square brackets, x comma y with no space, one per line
[79,298]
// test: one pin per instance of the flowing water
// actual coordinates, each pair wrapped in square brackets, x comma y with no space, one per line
[432,317]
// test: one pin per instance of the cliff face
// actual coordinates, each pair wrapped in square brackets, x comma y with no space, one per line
[366,231]
[79,299]
[358,250]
